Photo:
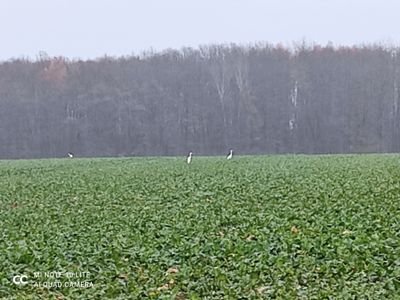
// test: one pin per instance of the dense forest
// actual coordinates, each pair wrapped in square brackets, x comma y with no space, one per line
[258,98]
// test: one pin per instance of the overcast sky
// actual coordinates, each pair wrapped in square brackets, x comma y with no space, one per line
[92,28]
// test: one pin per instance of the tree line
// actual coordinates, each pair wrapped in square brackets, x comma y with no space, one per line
[258,98]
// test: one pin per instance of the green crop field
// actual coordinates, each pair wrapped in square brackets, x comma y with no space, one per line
[256,227]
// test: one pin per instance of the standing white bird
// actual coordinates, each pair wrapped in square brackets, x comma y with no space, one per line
[230,155]
[189,158]
[70,154]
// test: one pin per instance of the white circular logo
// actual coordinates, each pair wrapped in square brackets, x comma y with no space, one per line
[20,279]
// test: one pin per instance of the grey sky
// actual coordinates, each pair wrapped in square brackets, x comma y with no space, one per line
[92,28]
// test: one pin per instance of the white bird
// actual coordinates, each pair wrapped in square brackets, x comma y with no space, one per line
[70,154]
[189,158]
[230,155]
